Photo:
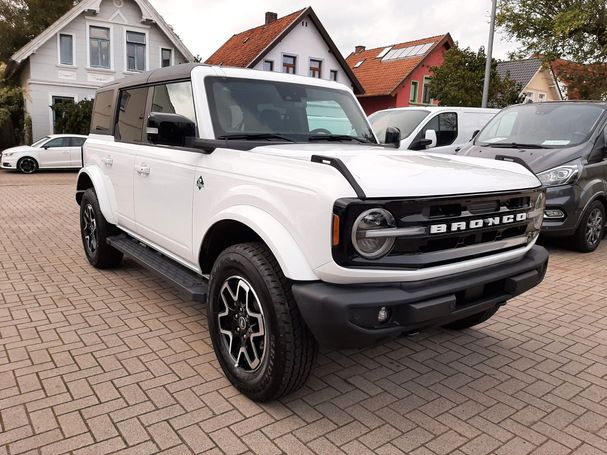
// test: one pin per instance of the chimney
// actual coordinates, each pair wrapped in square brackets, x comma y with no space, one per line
[270,17]
[359,49]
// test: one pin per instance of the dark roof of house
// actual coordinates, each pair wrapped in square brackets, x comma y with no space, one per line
[521,71]
[246,49]
[381,77]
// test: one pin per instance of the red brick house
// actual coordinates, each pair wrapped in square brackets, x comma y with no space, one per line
[397,75]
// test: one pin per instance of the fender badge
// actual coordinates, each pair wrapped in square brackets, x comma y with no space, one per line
[200,183]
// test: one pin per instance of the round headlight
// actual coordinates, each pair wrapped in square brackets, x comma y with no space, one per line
[376,246]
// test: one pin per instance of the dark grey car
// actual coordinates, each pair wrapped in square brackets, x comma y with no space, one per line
[565,144]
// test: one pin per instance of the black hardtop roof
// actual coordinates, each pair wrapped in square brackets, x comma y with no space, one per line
[169,73]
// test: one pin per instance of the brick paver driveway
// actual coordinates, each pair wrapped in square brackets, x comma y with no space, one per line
[96,362]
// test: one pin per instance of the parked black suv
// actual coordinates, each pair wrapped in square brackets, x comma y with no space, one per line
[565,144]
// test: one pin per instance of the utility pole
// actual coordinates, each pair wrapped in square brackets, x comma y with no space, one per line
[489,55]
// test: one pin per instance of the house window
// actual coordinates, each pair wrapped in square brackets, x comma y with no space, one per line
[541,97]
[288,64]
[528,97]
[55,101]
[414,92]
[268,65]
[99,42]
[426,92]
[165,57]
[135,51]
[334,75]
[66,49]
[315,68]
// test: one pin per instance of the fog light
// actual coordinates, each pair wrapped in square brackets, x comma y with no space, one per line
[554,213]
[383,315]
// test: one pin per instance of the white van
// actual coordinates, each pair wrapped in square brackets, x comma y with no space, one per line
[442,129]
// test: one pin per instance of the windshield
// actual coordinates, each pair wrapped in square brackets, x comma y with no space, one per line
[405,121]
[39,142]
[253,109]
[541,125]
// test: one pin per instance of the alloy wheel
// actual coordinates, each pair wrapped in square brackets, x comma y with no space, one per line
[594,227]
[242,324]
[27,165]
[90,229]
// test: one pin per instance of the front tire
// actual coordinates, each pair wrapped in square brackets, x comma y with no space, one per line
[95,230]
[591,229]
[260,339]
[27,165]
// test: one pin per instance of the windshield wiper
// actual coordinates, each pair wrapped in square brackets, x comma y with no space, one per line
[255,136]
[514,145]
[337,137]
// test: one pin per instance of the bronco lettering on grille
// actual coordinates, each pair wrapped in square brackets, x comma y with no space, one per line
[477,223]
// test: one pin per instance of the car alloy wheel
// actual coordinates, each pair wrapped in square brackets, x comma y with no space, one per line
[90,229]
[242,324]
[27,165]
[594,227]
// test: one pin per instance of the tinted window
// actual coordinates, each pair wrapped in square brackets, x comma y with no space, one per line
[445,126]
[103,111]
[172,118]
[129,125]
[77,141]
[57,142]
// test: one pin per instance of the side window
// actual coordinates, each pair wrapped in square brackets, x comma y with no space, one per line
[77,141]
[129,123]
[445,125]
[103,111]
[172,118]
[57,142]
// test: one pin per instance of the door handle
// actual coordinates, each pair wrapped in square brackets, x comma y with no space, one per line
[143,170]
[107,161]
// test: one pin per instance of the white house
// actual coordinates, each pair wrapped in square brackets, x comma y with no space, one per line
[95,42]
[297,43]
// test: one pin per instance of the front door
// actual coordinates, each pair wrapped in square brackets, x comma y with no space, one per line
[55,153]
[165,177]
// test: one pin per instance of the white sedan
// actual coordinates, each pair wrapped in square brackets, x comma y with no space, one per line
[55,151]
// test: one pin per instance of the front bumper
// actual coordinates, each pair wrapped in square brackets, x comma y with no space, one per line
[566,198]
[345,316]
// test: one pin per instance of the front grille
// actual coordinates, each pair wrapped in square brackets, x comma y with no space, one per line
[456,228]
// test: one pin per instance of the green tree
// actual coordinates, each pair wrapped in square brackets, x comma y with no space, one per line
[459,81]
[73,118]
[11,114]
[575,30]
[23,20]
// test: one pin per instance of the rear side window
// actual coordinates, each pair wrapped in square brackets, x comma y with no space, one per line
[103,110]
[131,110]
[172,120]
[77,141]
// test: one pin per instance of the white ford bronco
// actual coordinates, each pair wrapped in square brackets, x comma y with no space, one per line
[268,196]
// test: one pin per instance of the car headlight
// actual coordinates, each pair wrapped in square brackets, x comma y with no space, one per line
[366,225]
[7,154]
[559,175]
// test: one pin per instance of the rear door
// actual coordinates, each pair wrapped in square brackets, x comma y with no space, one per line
[165,176]
[55,153]
[76,144]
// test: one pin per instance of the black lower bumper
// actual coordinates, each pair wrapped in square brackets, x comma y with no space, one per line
[346,316]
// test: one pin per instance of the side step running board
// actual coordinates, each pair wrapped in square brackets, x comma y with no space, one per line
[194,285]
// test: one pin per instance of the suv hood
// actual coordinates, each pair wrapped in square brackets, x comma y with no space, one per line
[538,160]
[383,172]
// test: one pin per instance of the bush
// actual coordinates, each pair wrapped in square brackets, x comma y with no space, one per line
[73,118]
[11,116]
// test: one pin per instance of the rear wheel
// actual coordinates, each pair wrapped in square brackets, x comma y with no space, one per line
[27,165]
[473,320]
[94,230]
[262,344]
[591,229]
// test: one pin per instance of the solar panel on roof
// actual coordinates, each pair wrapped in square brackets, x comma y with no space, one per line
[425,48]
[384,51]
[390,55]
[405,52]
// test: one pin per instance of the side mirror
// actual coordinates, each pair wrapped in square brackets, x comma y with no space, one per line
[45,147]
[392,136]
[431,136]
[169,129]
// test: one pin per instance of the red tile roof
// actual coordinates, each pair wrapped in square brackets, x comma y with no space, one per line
[241,49]
[380,77]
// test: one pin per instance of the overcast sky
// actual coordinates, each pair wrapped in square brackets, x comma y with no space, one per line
[204,25]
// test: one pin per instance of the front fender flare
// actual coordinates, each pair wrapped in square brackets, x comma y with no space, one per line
[283,246]
[101,189]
